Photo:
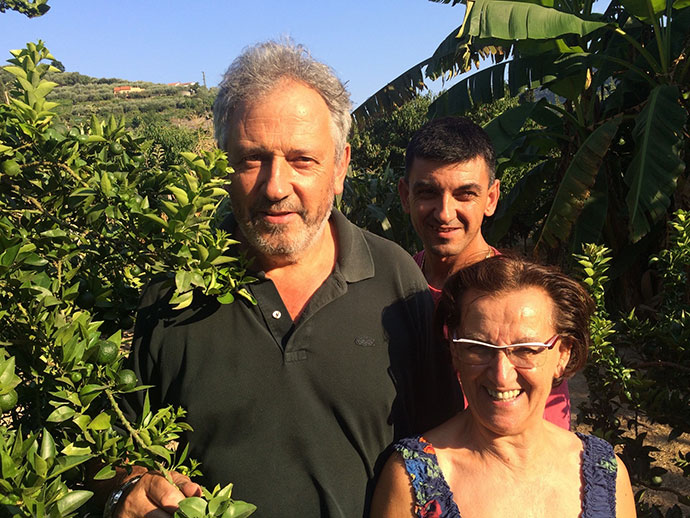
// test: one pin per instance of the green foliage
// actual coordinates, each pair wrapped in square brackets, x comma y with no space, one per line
[167,141]
[605,132]
[643,369]
[370,198]
[216,503]
[80,96]
[371,201]
[381,141]
[84,224]
[30,8]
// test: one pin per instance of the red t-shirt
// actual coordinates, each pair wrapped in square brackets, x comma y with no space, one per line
[557,409]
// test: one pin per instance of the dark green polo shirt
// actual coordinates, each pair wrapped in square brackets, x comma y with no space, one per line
[297,415]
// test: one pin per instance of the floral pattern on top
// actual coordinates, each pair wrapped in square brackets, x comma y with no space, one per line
[434,499]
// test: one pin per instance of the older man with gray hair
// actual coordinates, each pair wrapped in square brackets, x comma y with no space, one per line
[293,398]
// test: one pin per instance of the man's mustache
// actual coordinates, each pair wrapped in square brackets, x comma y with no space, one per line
[264,205]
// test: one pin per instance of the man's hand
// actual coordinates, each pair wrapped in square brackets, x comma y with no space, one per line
[154,497]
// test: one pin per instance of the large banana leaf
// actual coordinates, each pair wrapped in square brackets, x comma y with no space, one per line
[505,128]
[657,163]
[512,20]
[575,187]
[447,58]
[401,89]
[645,10]
[547,3]
[483,86]
[488,84]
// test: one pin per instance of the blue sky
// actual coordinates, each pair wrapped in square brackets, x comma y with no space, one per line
[368,43]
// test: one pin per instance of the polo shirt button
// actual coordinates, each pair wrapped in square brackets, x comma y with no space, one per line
[276,314]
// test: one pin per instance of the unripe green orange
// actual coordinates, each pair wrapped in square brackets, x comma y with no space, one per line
[8,401]
[107,352]
[126,379]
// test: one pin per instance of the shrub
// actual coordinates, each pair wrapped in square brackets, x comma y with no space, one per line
[84,224]
[640,364]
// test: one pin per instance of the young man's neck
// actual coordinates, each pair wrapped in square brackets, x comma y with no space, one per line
[437,268]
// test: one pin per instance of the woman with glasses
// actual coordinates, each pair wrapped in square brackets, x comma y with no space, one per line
[515,329]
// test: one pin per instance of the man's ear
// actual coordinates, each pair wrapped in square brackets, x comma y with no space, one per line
[404,193]
[341,171]
[492,198]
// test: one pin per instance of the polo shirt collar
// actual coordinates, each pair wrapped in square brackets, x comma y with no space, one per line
[354,256]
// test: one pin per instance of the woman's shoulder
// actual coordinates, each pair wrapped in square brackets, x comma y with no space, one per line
[393,496]
[417,443]
[598,450]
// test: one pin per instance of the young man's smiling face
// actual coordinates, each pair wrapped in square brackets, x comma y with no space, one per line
[447,204]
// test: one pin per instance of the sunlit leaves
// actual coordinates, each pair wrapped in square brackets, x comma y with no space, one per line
[522,20]
[85,223]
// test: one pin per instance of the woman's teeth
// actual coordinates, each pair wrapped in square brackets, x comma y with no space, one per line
[503,396]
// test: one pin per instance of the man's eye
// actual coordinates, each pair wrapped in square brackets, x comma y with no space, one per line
[425,193]
[303,160]
[466,195]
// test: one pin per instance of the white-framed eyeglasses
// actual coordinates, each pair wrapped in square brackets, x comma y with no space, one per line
[526,355]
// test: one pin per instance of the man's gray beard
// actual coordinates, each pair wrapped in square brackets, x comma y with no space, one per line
[259,234]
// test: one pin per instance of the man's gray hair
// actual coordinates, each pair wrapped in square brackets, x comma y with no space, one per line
[261,67]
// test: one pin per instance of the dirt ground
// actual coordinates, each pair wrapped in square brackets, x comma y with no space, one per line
[657,435]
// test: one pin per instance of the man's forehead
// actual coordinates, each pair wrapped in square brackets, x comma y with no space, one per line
[472,173]
[294,116]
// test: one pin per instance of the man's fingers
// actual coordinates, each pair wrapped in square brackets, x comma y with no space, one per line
[185,485]
[152,496]
[190,489]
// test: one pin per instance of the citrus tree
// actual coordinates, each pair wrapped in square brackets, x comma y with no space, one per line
[85,223]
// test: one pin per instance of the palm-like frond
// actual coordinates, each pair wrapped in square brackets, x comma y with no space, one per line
[657,162]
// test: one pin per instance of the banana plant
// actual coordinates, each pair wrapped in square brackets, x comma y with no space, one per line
[608,93]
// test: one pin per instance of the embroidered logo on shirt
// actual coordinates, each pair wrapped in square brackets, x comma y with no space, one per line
[365,341]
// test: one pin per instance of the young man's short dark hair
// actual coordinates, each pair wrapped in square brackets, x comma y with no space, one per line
[451,140]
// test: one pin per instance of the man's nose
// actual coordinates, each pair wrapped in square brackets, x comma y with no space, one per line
[277,179]
[445,211]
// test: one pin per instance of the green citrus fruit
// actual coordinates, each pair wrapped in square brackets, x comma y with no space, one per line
[126,379]
[76,377]
[116,148]
[8,401]
[11,168]
[107,352]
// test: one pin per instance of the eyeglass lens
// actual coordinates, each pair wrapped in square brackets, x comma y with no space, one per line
[520,356]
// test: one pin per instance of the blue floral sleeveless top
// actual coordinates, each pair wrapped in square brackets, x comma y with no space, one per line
[434,499]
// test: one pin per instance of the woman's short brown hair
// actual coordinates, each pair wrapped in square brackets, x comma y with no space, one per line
[505,273]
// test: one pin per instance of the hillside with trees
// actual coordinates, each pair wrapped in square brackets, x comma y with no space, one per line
[172,118]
